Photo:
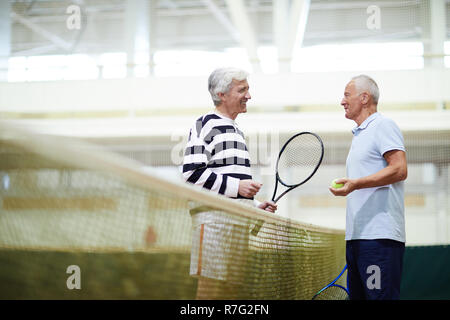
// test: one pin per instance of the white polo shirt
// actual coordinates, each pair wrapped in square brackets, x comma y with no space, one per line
[374,213]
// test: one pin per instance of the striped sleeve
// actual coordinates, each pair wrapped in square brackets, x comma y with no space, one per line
[197,161]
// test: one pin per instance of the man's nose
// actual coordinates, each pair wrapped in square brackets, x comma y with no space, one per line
[247,95]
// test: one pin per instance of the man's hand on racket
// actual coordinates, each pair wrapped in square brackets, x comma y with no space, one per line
[249,188]
[268,206]
[348,187]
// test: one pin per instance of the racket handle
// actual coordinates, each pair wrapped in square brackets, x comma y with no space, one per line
[260,222]
[257,227]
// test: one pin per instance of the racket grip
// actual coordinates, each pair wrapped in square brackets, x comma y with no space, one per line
[257,227]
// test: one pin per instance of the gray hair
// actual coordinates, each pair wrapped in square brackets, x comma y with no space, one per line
[366,83]
[220,81]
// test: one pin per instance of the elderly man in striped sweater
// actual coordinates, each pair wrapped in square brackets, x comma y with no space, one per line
[217,158]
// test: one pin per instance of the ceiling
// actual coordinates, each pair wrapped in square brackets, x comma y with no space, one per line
[39,26]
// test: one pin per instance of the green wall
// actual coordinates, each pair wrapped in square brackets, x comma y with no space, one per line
[426,273]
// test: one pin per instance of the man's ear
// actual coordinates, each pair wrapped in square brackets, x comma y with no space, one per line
[221,95]
[364,98]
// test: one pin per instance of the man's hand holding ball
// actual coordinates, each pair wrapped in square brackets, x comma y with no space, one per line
[342,186]
[336,185]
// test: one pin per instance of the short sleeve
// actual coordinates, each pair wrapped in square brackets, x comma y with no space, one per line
[389,137]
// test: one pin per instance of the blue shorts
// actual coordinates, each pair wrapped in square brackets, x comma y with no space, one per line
[374,269]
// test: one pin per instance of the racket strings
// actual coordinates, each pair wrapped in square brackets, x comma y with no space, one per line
[299,159]
[332,293]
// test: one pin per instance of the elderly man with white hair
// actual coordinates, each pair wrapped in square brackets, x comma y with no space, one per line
[374,187]
[216,158]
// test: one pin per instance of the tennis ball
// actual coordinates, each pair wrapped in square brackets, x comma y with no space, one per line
[336,185]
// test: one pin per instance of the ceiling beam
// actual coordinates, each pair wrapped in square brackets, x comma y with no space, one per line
[289,24]
[137,31]
[438,23]
[58,41]
[222,19]
[348,5]
[280,26]
[241,20]
[298,20]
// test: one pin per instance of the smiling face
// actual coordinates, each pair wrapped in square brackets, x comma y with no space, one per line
[352,102]
[235,100]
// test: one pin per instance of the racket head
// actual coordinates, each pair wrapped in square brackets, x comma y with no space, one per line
[304,152]
[332,292]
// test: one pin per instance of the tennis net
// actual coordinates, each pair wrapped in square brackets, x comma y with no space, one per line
[79,222]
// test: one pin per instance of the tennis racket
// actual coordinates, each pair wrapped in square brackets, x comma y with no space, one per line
[303,152]
[333,291]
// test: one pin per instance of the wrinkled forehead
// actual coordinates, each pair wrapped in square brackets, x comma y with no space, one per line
[350,87]
[239,83]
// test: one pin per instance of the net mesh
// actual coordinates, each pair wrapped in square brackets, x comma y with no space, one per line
[80,223]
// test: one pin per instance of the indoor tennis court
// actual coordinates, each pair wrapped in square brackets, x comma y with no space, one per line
[97,99]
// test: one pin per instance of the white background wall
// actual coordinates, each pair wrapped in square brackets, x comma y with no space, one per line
[268,91]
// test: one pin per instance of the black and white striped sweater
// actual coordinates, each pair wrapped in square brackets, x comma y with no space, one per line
[216,156]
